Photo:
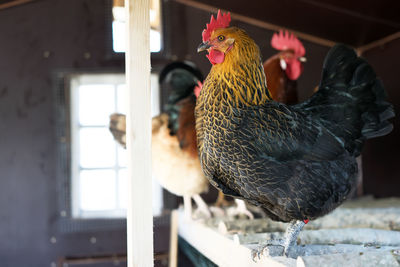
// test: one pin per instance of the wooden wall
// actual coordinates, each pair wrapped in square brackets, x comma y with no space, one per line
[381,156]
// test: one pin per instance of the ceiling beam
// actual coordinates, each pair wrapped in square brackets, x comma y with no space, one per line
[351,13]
[380,42]
[14,3]
[258,23]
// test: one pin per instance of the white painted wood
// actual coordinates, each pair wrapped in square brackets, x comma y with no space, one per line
[229,243]
[173,240]
[221,250]
[139,209]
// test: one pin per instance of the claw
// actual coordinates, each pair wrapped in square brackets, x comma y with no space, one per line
[280,247]
[201,206]
[273,248]
[240,209]
[202,212]
[217,212]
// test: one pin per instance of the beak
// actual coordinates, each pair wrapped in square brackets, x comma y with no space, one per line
[203,46]
[302,59]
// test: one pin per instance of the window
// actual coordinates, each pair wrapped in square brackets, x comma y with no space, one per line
[118,26]
[98,163]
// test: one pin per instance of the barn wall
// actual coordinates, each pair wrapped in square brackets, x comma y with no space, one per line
[36,40]
[381,156]
[42,37]
[187,36]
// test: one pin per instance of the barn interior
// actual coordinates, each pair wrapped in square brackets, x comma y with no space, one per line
[46,45]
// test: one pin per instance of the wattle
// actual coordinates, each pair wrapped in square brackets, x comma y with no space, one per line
[294,69]
[215,56]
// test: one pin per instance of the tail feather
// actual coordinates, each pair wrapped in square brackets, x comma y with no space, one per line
[350,100]
[178,80]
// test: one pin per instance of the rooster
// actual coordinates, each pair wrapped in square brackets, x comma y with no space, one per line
[296,162]
[174,148]
[284,68]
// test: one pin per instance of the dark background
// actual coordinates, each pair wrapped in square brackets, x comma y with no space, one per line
[43,37]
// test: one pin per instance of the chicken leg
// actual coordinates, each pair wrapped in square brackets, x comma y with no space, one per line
[187,207]
[240,209]
[221,201]
[288,242]
[201,206]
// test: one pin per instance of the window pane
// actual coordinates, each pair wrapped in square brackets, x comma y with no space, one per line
[118,36]
[96,103]
[155,41]
[123,188]
[97,190]
[122,156]
[119,21]
[157,195]
[122,98]
[97,148]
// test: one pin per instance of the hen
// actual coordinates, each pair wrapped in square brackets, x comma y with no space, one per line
[296,162]
[282,71]
[175,162]
[284,68]
[174,140]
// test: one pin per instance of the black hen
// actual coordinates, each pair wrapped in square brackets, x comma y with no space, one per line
[296,162]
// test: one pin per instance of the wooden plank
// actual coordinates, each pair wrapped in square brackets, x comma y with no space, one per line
[9,4]
[221,250]
[360,50]
[139,206]
[173,241]
[258,23]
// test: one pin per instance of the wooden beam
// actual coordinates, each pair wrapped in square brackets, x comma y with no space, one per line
[139,206]
[14,3]
[360,50]
[173,240]
[258,23]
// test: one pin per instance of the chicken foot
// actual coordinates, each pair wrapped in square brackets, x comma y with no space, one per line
[202,207]
[288,242]
[240,209]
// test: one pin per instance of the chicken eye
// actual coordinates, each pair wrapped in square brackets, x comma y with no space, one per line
[221,38]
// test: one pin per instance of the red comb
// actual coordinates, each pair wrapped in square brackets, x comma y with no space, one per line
[222,21]
[284,41]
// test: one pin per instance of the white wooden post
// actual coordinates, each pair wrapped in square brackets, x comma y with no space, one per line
[139,208]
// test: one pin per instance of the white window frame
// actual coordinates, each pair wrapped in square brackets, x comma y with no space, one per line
[114,79]
[119,31]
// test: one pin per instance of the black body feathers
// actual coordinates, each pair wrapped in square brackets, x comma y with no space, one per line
[297,162]
[178,80]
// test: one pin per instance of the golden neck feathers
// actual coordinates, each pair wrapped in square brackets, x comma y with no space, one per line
[239,80]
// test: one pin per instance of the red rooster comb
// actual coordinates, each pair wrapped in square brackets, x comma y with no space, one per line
[222,21]
[285,41]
